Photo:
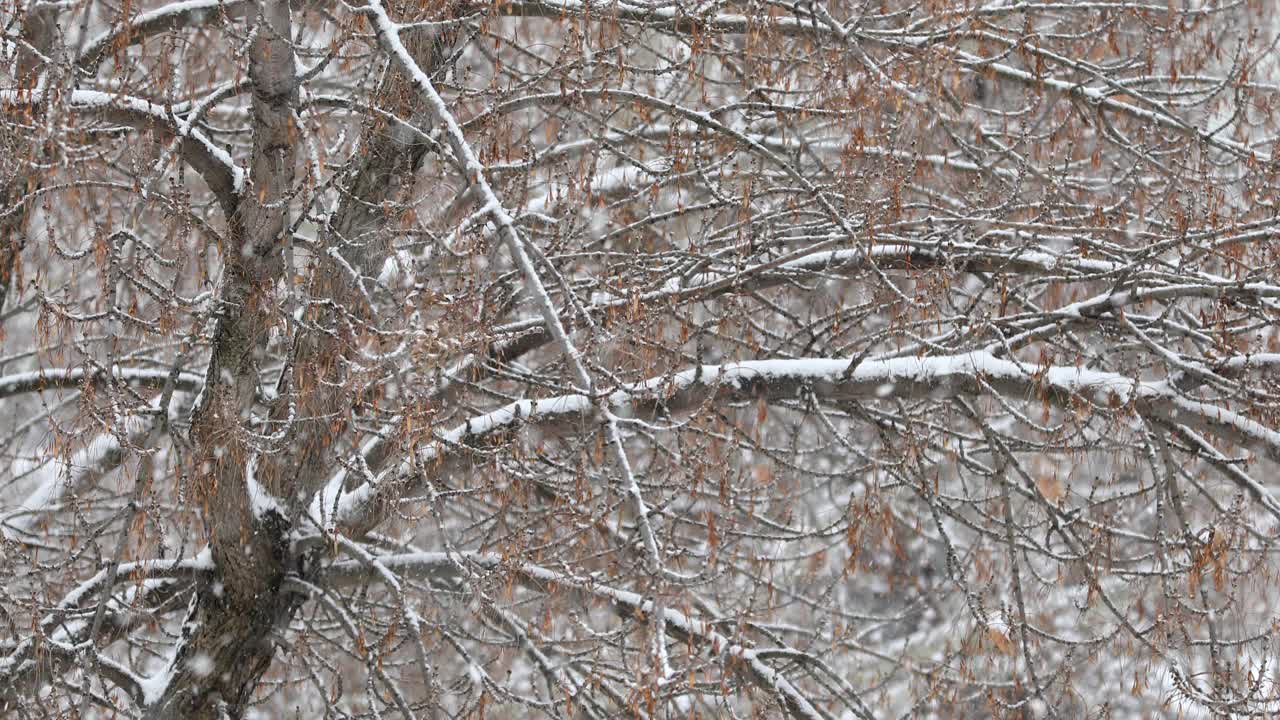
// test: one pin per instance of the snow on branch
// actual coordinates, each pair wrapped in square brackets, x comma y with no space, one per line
[909,255]
[56,378]
[833,381]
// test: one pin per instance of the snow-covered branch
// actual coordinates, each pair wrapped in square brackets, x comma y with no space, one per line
[830,381]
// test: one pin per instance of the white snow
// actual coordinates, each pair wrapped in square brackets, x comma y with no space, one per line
[153,687]
[200,664]
[260,501]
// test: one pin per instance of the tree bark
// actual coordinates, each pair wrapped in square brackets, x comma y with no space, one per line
[228,639]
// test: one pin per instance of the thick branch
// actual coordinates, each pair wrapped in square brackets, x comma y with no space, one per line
[358,244]
[248,545]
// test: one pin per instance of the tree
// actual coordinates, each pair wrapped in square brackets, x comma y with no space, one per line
[572,359]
